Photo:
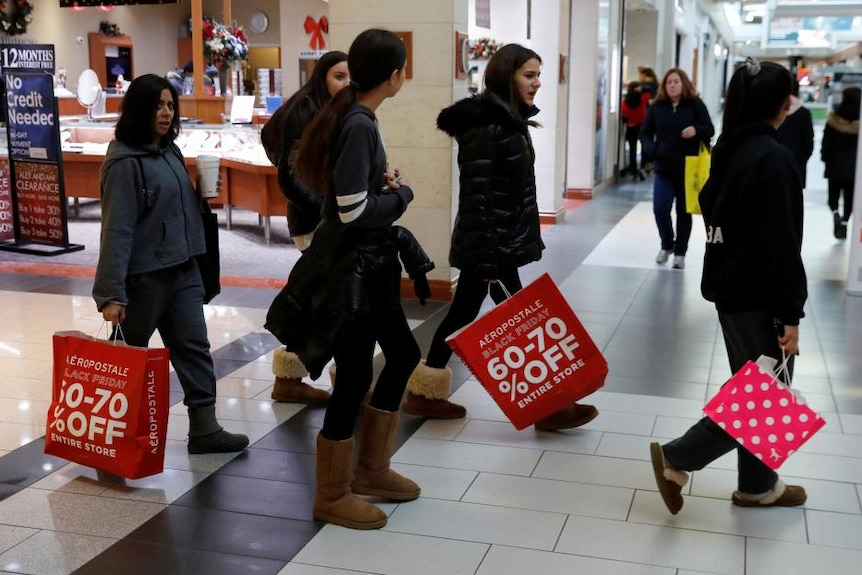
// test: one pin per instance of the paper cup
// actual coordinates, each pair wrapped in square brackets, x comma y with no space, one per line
[207,167]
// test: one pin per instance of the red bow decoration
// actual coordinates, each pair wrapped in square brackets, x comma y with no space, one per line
[317,30]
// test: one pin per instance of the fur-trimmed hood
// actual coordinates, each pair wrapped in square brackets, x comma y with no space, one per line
[841,124]
[474,112]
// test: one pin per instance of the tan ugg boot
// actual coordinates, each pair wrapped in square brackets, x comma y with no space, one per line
[334,502]
[427,390]
[289,387]
[365,400]
[373,475]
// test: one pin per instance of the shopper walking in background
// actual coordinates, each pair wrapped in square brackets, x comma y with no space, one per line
[674,127]
[497,224]
[634,111]
[838,152]
[303,206]
[752,271]
[152,229]
[352,267]
[797,133]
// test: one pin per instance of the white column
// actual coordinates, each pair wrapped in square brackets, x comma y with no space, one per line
[549,40]
[854,268]
[408,121]
[583,54]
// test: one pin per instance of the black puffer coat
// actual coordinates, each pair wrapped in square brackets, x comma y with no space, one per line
[498,218]
[838,149]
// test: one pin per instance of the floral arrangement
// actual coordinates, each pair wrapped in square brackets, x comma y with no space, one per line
[20,17]
[224,44]
[109,28]
[483,48]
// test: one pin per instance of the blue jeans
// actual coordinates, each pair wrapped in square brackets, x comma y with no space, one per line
[665,191]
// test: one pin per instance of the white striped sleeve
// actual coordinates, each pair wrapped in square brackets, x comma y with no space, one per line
[351,206]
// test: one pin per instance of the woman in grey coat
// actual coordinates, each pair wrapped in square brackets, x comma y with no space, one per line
[152,229]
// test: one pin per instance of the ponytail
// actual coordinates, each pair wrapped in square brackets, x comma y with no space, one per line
[756,93]
[312,159]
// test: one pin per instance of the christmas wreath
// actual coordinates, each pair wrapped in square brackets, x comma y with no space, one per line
[16,22]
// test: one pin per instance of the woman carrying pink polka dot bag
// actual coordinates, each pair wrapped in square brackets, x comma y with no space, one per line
[765,416]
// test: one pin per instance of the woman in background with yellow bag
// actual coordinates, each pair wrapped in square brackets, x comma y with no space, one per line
[674,127]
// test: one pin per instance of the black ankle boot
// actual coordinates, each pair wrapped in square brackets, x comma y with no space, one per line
[207,436]
[840,228]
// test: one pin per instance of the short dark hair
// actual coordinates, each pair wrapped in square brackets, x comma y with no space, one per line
[500,73]
[756,93]
[138,111]
[848,108]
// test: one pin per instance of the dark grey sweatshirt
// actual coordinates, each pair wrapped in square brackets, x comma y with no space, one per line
[144,230]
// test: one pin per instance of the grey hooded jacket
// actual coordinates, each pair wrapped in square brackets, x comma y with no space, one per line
[144,230]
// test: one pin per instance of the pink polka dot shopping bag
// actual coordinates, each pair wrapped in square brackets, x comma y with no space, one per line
[762,414]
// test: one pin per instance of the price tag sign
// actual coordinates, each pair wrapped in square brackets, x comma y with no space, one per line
[532,354]
[109,405]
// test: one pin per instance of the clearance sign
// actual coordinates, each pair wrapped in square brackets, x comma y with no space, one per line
[36,195]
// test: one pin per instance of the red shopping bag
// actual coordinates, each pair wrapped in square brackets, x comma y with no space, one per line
[763,414]
[531,353]
[109,406]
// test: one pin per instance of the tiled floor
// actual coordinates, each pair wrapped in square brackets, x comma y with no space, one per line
[495,501]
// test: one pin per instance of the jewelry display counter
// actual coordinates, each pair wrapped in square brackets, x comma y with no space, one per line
[248,180]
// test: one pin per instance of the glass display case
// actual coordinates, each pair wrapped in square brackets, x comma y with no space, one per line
[248,179]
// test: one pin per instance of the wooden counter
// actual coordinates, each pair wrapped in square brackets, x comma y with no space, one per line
[254,187]
[248,186]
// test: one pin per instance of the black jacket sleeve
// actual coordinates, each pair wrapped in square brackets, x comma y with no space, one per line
[647,133]
[704,127]
[293,189]
[781,238]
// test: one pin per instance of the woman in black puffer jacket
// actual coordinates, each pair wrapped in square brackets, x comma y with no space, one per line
[838,152]
[497,224]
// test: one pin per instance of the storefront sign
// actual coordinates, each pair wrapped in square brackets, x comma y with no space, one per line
[7,227]
[37,195]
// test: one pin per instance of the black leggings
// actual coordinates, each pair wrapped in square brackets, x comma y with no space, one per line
[466,303]
[632,134]
[836,187]
[383,323]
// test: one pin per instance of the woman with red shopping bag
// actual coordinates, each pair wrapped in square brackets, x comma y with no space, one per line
[152,230]
[497,225]
[354,259]
[753,272]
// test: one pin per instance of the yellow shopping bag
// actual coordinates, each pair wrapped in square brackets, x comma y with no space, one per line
[696,173]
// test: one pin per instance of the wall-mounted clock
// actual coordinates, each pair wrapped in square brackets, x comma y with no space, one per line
[258,22]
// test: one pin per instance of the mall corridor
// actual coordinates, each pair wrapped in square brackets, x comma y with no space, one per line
[494,501]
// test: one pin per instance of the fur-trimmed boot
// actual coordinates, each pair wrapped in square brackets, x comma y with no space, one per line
[334,502]
[427,390]
[207,436]
[289,387]
[365,399]
[373,475]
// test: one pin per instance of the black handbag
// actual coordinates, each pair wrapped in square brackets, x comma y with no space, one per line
[209,263]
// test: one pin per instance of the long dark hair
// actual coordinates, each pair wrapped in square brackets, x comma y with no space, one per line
[138,111]
[756,93]
[848,108]
[304,104]
[500,75]
[688,91]
[374,55]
